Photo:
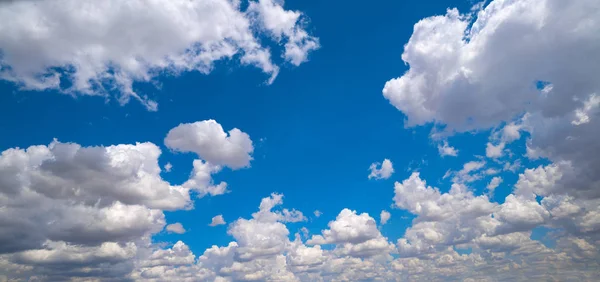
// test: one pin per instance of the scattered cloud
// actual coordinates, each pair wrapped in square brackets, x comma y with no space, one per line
[447,150]
[384,217]
[317,213]
[384,171]
[494,151]
[114,46]
[217,220]
[175,228]
[494,183]
[211,143]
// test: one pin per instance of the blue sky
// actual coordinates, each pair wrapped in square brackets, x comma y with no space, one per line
[321,124]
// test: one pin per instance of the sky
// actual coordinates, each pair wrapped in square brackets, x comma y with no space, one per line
[222,140]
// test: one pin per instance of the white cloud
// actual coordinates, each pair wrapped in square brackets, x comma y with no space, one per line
[217,220]
[317,213]
[447,150]
[102,45]
[511,132]
[354,235]
[168,167]
[472,83]
[280,24]
[494,183]
[175,228]
[384,217]
[469,172]
[209,141]
[385,170]
[514,166]
[348,227]
[202,182]
[494,152]
[443,219]
[521,214]
[589,107]
[71,211]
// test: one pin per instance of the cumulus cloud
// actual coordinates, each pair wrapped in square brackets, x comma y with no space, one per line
[462,75]
[75,211]
[384,171]
[217,220]
[99,46]
[175,228]
[209,141]
[494,183]
[494,151]
[470,172]
[447,150]
[384,217]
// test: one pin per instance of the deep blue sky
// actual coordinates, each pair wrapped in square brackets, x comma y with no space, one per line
[316,129]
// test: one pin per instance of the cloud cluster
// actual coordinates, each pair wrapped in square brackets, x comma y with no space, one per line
[385,170]
[352,247]
[90,47]
[70,210]
[528,64]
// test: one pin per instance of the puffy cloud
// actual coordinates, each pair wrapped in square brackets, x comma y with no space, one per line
[217,220]
[469,172]
[348,227]
[521,214]
[209,141]
[202,182]
[98,46]
[443,219]
[71,211]
[494,183]
[168,167]
[538,181]
[462,75]
[280,23]
[384,171]
[447,150]
[175,228]
[496,151]
[91,175]
[354,235]
[511,132]
[83,195]
[384,217]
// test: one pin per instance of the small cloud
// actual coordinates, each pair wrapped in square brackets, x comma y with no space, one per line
[447,150]
[304,232]
[384,172]
[217,220]
[175,228]
[384,217]
[168,167]
[318,213]
[494,183]
[469,172]
[516,165]
[496,151]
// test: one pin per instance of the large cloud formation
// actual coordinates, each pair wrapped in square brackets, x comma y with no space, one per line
[92,47]
[86,213]
[531,61]
[69,210]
